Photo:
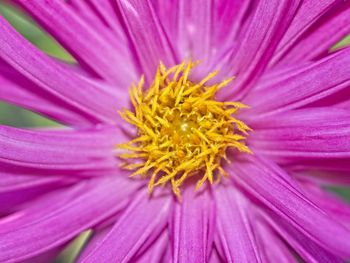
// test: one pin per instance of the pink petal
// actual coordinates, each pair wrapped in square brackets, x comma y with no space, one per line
[91,48]
[106,10]
[48,256]
[330,202]
[235,233]
[328,32]
[194,28]
[304,85]
[103,16]
[275,249]
[99,200]
[214,257]
[228,20]
[18,90]
[257,43]
[308,14]
[309,138]
[16,190]
[84,152]
[150,41]
[50,77]
[94,242]
[277,191]
[341,179]
[193,227]
[306,248]
[156,251]
[144,217]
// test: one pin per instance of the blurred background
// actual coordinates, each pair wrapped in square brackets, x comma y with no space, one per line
[18,117]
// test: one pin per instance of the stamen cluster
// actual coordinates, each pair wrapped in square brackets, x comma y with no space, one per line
[182,130]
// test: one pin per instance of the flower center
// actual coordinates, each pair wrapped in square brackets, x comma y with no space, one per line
[182,130]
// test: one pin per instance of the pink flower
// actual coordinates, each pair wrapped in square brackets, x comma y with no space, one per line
[56,183]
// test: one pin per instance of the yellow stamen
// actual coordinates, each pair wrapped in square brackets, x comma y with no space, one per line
[182,130]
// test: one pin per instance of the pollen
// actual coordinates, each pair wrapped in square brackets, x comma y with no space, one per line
[182,130]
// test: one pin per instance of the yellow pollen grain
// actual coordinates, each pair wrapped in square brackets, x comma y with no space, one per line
[183,131]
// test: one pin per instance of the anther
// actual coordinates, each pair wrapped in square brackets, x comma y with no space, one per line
[182,130]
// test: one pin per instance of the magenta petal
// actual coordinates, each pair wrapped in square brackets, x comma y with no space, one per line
[147,35]
[51,152]
[214,257]
[341,179]
[318,42]
[228,19]
[99,200]
[236,237]
[193,227]
[155,252]
[17,190]
[56,80]
[330,202]
[48,256]
[18,90]
[311,138]
[277,191]
[274,248]
[143,218]
[105,9]
[11,182]
[306,248]
[94,242]
[106,23]
[194,28]
[91,48]
[257,43]
[309,12]
[304,85]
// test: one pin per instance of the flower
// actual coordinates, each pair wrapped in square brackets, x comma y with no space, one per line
[182,129]
[294,137]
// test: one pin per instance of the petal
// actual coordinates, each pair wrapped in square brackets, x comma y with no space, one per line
[17,190]
[143,218]
[236,236]
[306,248]
[17,89]
[277,191]
[95,241]
[94,49]
[99,200]
[155,253]
[302,86]
[340,179]
[275,249]
[308,138]
[148,37]
[257,43]
[52,78]
[106,10]
[228,20]
[203,32]
[330,202]
[194,28]
[85,152]
[193,227]
[10,182]
[214,257]
[328,32]
[48,256]
[103,16]
[308,14]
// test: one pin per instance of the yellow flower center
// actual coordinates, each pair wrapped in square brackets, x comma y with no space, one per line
[182,130]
